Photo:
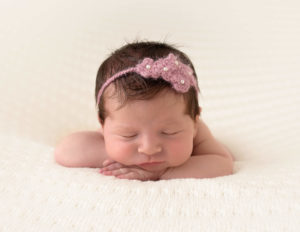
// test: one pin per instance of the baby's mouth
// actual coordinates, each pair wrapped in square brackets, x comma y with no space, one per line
[150,164]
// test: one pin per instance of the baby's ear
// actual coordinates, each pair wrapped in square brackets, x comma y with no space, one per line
[100,121]
[198,115]
[196,123]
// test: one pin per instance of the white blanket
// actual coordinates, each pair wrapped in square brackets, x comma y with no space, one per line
[247,57]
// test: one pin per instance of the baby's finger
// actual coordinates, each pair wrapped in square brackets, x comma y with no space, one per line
[128,176]
[107,162]
[112,167]
[120,171]
[115,172]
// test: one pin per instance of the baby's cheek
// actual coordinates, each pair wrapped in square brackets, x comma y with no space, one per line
[180,152]
[119,151]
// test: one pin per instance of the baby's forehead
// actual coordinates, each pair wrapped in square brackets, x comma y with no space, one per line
[159,105]
[132,119]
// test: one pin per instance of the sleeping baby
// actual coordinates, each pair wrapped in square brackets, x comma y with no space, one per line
[147,102]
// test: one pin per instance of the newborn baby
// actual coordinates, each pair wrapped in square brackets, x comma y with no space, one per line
[147,100]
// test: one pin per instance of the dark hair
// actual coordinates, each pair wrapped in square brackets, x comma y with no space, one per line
[132,86]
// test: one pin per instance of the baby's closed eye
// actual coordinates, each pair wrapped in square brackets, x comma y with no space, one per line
[168,132]
[171,132]
[129,136]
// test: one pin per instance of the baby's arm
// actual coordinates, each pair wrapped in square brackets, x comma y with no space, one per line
[209,158]
[81,149]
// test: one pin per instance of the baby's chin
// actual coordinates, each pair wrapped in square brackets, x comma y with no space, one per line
[154,167]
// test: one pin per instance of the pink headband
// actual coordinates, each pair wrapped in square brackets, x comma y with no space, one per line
[170,69]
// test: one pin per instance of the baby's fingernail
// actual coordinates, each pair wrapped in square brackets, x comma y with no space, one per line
[107,173]
[105,162]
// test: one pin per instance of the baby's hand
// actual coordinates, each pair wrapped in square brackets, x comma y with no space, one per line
[113,168]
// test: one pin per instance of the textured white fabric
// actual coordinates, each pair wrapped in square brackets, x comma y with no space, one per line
[247,58]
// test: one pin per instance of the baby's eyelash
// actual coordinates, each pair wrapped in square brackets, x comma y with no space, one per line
[164,133]
[128,136]
[173,133]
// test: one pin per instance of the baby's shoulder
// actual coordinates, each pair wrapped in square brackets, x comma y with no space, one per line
[202,132]
[205,143]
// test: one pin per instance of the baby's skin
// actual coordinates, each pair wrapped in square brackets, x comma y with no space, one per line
[148,140]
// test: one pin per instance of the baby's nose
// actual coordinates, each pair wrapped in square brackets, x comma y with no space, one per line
[150,150]
[149,147]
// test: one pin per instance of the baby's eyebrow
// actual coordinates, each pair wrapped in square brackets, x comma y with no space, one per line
[171,122]
[163,123]
[126,127]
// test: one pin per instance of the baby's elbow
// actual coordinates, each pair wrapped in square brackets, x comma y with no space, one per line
[229,166]
[60,155]
[63,154]
[226,166]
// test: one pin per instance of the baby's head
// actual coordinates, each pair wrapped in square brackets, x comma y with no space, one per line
[132,86]
[147,103]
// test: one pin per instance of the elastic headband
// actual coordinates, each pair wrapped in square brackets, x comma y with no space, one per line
[170,69]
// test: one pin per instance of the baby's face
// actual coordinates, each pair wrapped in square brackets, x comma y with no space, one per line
[144,131]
